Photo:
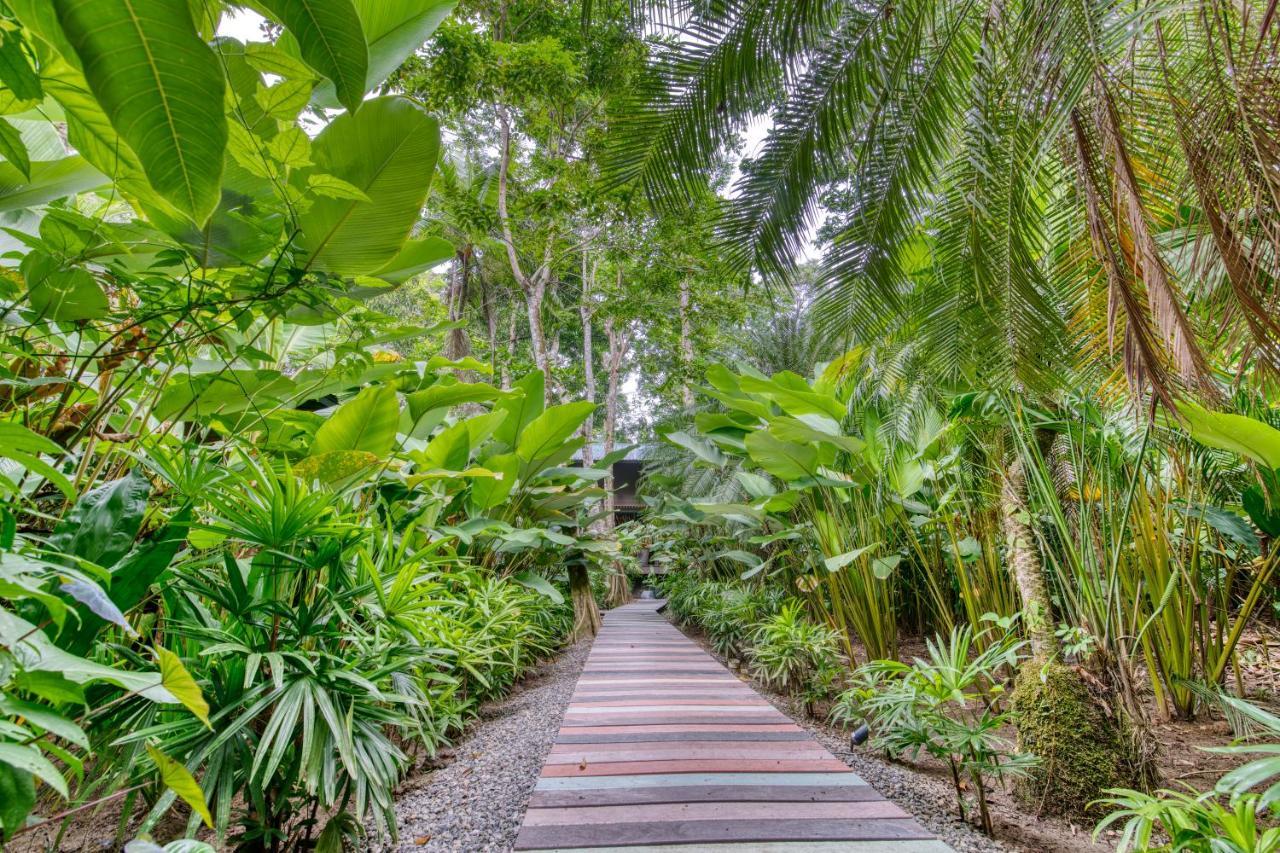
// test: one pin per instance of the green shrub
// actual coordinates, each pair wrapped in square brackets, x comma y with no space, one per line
[945,706]
[788,650]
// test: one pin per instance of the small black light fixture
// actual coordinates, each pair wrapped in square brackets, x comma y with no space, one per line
[860,735]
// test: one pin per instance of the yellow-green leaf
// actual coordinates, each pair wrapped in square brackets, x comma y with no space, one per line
[179,780]
[175,678]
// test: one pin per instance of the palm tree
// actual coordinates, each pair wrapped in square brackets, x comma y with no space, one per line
[1047,184]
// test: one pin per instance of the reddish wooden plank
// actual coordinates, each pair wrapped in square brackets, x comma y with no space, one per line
[681,727]
[759,765]
[644,813]
[677,736]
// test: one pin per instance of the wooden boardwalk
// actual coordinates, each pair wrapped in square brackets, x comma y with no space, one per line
[663,748]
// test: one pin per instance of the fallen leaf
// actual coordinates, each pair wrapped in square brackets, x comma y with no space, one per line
[421,840]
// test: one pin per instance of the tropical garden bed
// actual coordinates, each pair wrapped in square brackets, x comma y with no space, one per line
[323,323]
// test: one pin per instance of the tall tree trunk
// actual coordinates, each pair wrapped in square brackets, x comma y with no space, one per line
[457,341]
[585,311]
[511,349]
[533,286]
[491,323]
[686,348]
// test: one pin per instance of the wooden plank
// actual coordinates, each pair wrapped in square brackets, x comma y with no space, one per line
[706,765]
[909,846]
[845,779]
[662,749]
[679,812]
[681,735]
[717,832]
[765,793]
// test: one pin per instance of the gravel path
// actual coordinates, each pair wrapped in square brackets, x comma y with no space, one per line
[476,802]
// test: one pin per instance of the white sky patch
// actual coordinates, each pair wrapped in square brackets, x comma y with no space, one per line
[241,24]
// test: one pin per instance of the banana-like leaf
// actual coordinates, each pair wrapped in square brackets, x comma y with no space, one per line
[1239,434]
[49,180]
[160,86]
[417,256]
[367,422]
[387,150]
[393,29]
[785,460]
[538,583]
[521,408]
[37,654]
[546,433]
[331,40]
[703,450]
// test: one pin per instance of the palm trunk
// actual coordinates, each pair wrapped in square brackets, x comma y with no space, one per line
[1024,564]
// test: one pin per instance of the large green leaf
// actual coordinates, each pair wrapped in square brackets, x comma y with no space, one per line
[450,450]
[101,526]
[67,295]
[31,760]
[25,447]
[521,408]
[794,395]
[548,431]
[1239,434]
[538,583]
[394,29]
[387,150]
[162,89]
[17,798]
[131,578]
[488,493]
[416,257]
[37,654]
[331,40]
[50,179]
[783,459]
[446,394]
[696,445]
[367,422]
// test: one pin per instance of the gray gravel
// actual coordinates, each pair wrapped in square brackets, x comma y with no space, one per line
[476,802]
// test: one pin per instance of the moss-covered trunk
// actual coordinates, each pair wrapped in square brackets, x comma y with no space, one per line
[1077,734]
